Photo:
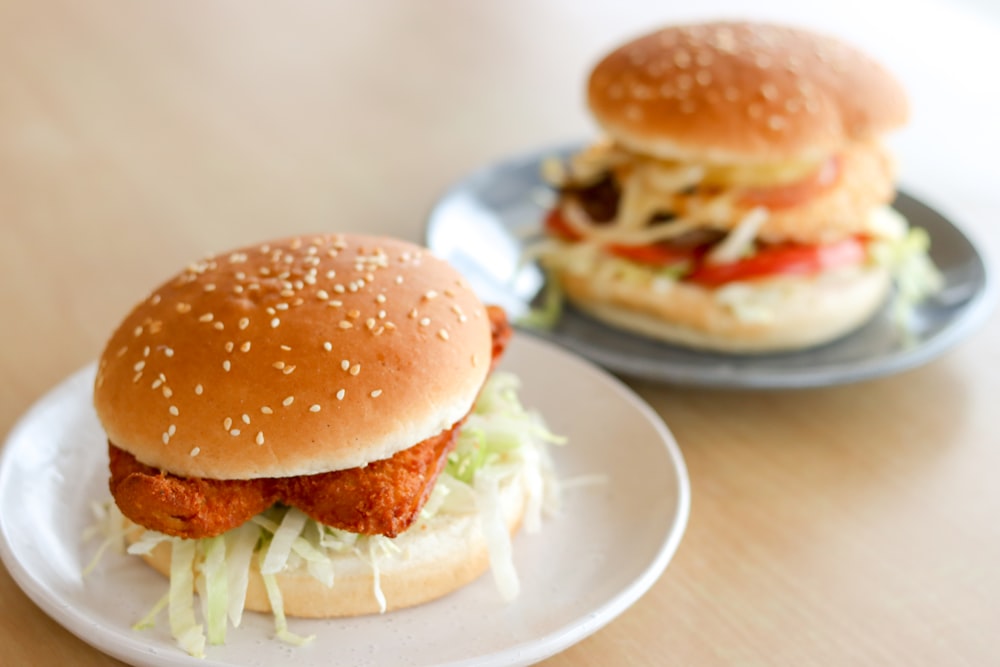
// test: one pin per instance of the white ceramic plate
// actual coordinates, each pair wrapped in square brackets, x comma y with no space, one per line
[482,224]
[587,565]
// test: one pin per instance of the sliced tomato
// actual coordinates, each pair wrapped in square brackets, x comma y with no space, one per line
[782,259]
[766,261]
[655,254]
[797,193]
[556,225]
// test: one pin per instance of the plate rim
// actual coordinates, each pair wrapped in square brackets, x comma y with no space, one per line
[970,317]
[121,643]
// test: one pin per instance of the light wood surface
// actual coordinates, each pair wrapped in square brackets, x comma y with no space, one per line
[854,525]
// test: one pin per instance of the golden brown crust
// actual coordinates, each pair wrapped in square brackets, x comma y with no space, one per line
[438,557]
[383,497]
[866,181]
[294,357]
[739,92]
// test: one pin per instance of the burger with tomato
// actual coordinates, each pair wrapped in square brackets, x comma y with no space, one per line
[740,198]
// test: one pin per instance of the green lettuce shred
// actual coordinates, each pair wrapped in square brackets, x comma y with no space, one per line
[500,440]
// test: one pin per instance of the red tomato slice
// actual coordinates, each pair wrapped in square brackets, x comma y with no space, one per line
[656,254]
[794,194]
[782,259]
[556,225]
[769,260]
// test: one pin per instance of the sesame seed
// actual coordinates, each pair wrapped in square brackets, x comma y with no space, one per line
[430,294]
[260,437]
[279,365]
[229,346]
[168,351]
[171,430]
[198,389]
[226,365]
[275,322]
[288,401]
[227,423]
[121,351]
[156,383]
[442,334]
[338,288]
[370,323]
[345,364]
[245,418]
[380,298]
[244,322]
[281,306]
[167,392]
[376,393]
[145,351]
[322,294]
[195,451]
[266,410]
[327,345]
[314,408]
[424,321]
[412,314]
[174,411]
[399,280]
[335,303]
[183,307]
[354,314]
[235,432]
[288,370]
[210,287]
[245,347]
[139,366]
[344,324]
[166,438]
[219,326]
[340,395]
[355,369]
[207,317]
[286,348]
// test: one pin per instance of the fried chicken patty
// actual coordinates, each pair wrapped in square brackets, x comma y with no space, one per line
[382,498]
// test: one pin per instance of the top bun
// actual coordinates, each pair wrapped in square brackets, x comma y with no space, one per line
[742,93]
[294,357]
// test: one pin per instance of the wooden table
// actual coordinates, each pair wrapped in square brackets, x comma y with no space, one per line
[851,525]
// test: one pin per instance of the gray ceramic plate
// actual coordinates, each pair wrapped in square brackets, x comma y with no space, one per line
[482,224]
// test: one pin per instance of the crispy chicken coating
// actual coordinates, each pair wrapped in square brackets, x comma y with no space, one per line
[383,498]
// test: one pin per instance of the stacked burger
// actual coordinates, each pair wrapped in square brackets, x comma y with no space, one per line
[308,426]
[740,200]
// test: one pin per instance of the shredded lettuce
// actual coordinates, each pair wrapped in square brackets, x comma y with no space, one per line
[548,312]
[914,275]
[180,607]
[215,598]
[501,443]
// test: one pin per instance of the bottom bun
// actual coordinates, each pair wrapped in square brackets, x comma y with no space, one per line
[771,315]
[433,558]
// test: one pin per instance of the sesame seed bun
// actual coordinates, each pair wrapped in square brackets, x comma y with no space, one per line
[439,556]
[737,92]
[294,357]
[769,315]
